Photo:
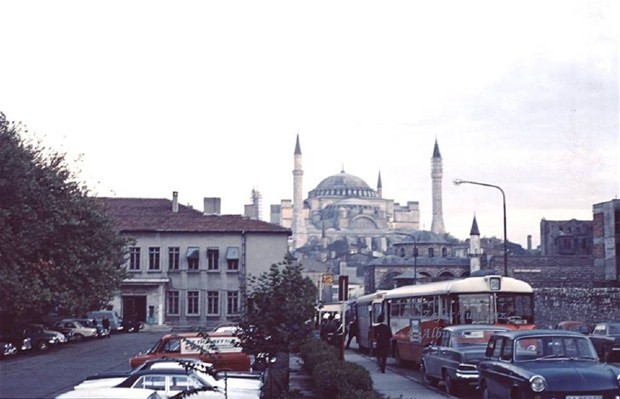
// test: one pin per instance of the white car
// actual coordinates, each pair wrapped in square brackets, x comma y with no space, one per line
[111,393]
[79,330]
[235,385]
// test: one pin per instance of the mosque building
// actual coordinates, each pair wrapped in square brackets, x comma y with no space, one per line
[343,213]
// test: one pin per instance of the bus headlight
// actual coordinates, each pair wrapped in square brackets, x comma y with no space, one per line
[538,383]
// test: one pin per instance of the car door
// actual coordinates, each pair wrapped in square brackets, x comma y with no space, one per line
[500,380]
[432,356]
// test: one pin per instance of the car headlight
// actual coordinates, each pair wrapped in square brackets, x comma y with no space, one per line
[538,383]
[618,379]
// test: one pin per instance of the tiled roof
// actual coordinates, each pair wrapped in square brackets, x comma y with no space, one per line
[155,214]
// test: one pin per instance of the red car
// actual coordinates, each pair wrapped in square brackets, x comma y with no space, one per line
[223,350]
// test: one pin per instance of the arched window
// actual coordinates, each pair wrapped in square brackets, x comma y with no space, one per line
[402,252]
[444,252]
[431,252]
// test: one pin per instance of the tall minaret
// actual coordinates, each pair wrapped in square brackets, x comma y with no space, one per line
[298,222]
[437,225]
[379,186]
[475,251]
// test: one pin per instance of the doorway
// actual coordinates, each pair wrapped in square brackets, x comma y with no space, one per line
[134,308]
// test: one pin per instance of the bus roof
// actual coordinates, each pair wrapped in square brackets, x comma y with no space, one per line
[465,285]
[370,297]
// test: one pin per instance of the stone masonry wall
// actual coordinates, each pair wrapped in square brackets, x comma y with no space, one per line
[591,305]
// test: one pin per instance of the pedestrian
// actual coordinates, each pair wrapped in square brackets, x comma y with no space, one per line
[106,324]
[383,337]
[352,332]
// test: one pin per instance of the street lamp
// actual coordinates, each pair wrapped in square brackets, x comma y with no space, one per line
[459,182]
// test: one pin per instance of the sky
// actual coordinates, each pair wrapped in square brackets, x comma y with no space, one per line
[207,97]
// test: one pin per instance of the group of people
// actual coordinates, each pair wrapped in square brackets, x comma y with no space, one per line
[333,332]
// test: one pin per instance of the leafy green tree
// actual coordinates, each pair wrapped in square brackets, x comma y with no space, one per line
[58,248]
[281,307]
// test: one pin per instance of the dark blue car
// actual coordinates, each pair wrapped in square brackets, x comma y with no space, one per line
[544,364]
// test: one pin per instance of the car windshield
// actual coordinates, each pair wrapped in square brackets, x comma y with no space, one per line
[554,347]
[614,329]
[473,337]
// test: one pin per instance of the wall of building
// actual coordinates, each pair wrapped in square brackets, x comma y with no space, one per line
[592,305]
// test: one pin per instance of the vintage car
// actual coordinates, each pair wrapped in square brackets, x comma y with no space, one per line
[7,349]
[41,338]
[545,364]
[110,393]
[602,343]
[610,331]
[453,356]
[223,350]
[79,331]
[169,382]
[232,383]
[101,331]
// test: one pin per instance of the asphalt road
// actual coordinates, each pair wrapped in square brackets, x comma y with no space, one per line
[45,375]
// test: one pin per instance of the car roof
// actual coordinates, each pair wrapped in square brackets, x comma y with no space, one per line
[468,327]
[513,334]
[173,370]
[197,334]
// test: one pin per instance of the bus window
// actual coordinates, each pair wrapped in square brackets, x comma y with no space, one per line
[416,307]
[428,306]
[473,309]
[515,308]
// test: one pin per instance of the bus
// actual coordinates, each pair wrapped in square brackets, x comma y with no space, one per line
[416,313]
[367,309]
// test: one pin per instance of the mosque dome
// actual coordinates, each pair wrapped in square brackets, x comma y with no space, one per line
[343,185]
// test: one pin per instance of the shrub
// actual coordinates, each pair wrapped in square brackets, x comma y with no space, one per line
[339,379]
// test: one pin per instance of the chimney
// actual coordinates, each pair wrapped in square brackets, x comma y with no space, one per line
[212,205]
[529,242]
[175,202]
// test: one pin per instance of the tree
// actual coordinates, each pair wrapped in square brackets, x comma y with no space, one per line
[58,247]
[281,307]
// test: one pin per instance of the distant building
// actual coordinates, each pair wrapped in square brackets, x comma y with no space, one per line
[565,237]
[190,267]
[606,232]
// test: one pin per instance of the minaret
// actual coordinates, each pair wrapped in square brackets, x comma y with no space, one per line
[379,186]
[298,223]
[475,251]
[437,225]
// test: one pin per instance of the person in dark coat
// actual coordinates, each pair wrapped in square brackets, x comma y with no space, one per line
[106,324]
[353,329]
[383,338]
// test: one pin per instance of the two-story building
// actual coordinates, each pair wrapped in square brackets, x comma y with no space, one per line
[188,267]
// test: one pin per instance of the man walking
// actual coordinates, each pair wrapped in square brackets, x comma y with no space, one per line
[383,336]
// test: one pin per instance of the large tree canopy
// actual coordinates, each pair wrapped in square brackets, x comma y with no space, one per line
[281,307]
[58,248]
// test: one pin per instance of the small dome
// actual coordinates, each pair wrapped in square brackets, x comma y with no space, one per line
[343,185]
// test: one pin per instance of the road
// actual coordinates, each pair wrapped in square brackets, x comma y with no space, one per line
[45,375]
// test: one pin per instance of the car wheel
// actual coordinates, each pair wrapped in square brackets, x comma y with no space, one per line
[42,346]
[452,387]
[78,337]
[427,380]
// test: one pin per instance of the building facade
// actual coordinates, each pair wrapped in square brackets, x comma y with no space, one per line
[565,237]
[190,267]
[606,242]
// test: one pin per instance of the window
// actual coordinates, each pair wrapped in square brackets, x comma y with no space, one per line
[233,302]
[134,258]
[172,302]
[193,258]
[232,258]
[173,258]
[213,302]
[193,300]
[213,259]
[431,252]
[154,258]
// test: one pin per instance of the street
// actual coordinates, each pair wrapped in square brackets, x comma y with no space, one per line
[45,375]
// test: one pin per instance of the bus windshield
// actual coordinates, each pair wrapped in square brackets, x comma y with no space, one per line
[480,309]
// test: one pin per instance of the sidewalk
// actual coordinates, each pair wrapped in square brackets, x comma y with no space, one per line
[396,383]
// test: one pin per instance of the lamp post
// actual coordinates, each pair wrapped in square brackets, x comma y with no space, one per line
[459,182]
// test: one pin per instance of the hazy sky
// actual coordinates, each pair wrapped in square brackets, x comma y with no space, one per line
[206,98]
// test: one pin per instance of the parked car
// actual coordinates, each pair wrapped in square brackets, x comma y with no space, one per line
[79,330]
[545,363]
[453,357]
[233,383]
[111,393]
[172,381]
[116,322]
[20,342]
[602,343]
[101,332]
[609,330]
[221,349]
[132,325]
[7,349]
[41,338]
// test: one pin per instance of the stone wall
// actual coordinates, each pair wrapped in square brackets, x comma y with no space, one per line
[591,305]
[553,271]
